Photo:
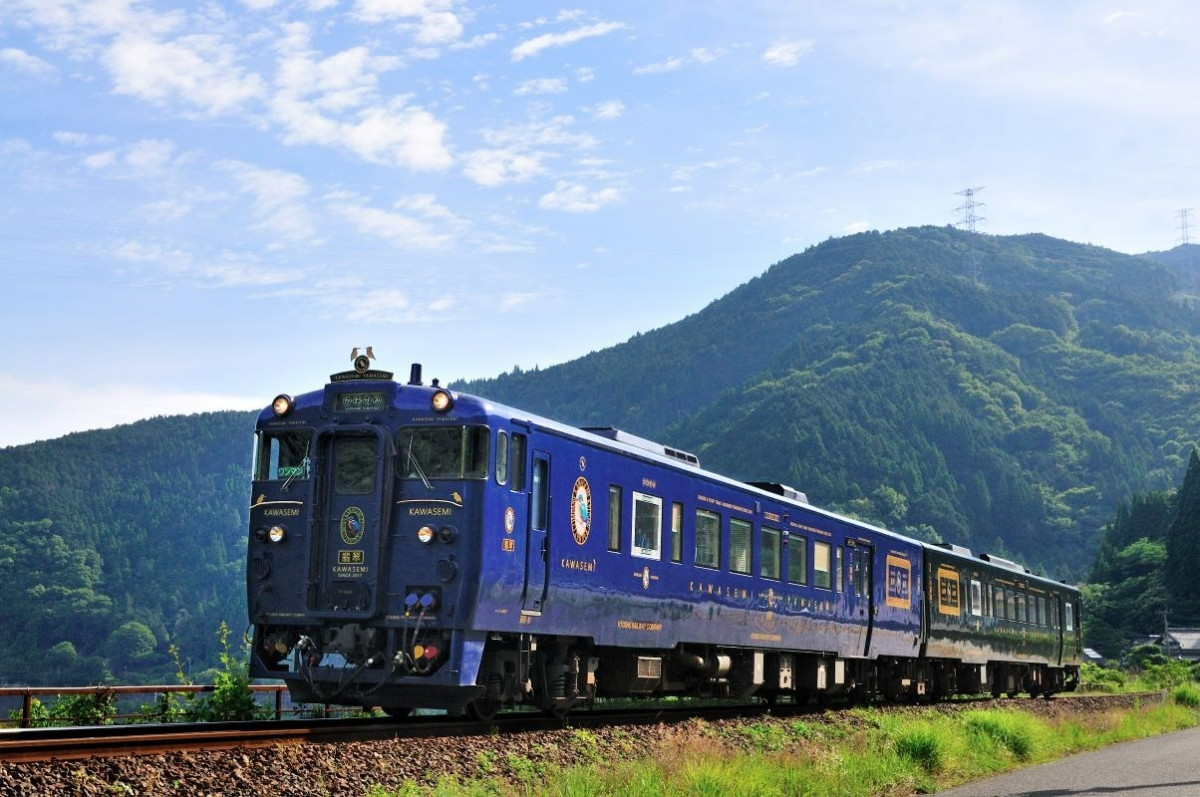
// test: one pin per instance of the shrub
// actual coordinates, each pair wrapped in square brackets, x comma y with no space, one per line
[1011,730]
[1187,695]
[924,746]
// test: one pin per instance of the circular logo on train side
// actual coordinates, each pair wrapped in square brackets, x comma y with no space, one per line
[352,525]
[581,510]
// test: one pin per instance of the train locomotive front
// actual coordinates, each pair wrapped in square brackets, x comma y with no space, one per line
[360,579]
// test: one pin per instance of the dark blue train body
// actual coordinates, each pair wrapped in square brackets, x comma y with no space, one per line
[411,547]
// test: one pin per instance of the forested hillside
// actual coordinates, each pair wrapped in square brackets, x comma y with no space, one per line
[1004,393]
[116,544]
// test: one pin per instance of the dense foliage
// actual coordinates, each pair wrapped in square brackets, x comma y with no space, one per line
[117,544]
[1008,412]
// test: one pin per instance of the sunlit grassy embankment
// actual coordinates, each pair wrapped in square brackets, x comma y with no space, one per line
[851,753]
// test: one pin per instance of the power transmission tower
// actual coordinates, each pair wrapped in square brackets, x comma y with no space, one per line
[1184,214]
[969,219]
[968,208]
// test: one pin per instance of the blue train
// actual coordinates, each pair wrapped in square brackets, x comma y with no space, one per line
[411,546]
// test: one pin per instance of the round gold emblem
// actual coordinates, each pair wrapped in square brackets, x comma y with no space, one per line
[581,511]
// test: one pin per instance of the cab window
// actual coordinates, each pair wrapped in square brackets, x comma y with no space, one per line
[443,452]
[354,466]
[283,455]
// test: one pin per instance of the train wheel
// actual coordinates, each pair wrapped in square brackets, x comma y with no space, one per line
[558,709]
[483,709]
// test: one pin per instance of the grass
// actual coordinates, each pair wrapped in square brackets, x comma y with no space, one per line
[855,753]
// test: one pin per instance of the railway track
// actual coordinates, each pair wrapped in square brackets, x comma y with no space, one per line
[45,744]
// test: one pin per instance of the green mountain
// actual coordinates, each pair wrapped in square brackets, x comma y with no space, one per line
[1006,393]
[116,544]
[999,392]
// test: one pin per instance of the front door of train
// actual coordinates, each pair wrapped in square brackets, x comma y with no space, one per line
[537,538]
[351,523]
[860,591]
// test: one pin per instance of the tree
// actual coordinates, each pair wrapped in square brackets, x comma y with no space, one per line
[1183,549]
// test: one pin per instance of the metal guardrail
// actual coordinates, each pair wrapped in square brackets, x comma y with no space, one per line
[29,693]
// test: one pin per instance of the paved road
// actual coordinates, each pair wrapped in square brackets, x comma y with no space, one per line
[1165,766]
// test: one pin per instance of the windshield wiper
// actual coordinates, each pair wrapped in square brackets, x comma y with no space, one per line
[412,460]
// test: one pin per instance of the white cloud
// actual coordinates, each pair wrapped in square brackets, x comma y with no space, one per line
[25,63]
[414,222]
[198,70]
[493,167]
[73,139]
[109,405]
[611,109]
[534,46]
[475,42]
[787,53]
[433,21]
[669,65]
[585,74]
[544,85]
[333,102]
[575,198]
[279,200]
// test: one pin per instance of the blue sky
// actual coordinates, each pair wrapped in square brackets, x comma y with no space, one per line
[203,205]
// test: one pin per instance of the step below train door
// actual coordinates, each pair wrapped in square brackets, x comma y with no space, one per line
[537,540]
[352,521]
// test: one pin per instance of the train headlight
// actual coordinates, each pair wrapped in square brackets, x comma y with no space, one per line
[282,405]
[441,401]
[276,533]
[426,534]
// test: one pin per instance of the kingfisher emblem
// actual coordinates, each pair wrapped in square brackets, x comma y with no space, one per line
[352,525]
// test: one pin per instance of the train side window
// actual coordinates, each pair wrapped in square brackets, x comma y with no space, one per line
[797,559]
[998,601]
[647,526]
[541,493]
[769,562]
[1041,602]
[708,538]
[614,518]
[676,532]
[837,568]
[501,457]
[516,468]
[821,565]
[739,545]
[976,598]
[283,455]
[1010,598]
[1070,616]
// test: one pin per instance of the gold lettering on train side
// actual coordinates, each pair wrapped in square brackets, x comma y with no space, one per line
[649,483]
[282,512]
[430,511]
[704,499]
[581,565]
[639,625]
[771,516]
[508,544]
[948,591]
[757,637]
[899,582]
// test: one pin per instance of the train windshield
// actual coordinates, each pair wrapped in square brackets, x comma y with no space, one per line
[443,452]
[283,455]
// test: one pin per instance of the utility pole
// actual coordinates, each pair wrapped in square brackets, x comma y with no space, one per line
[969,219]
